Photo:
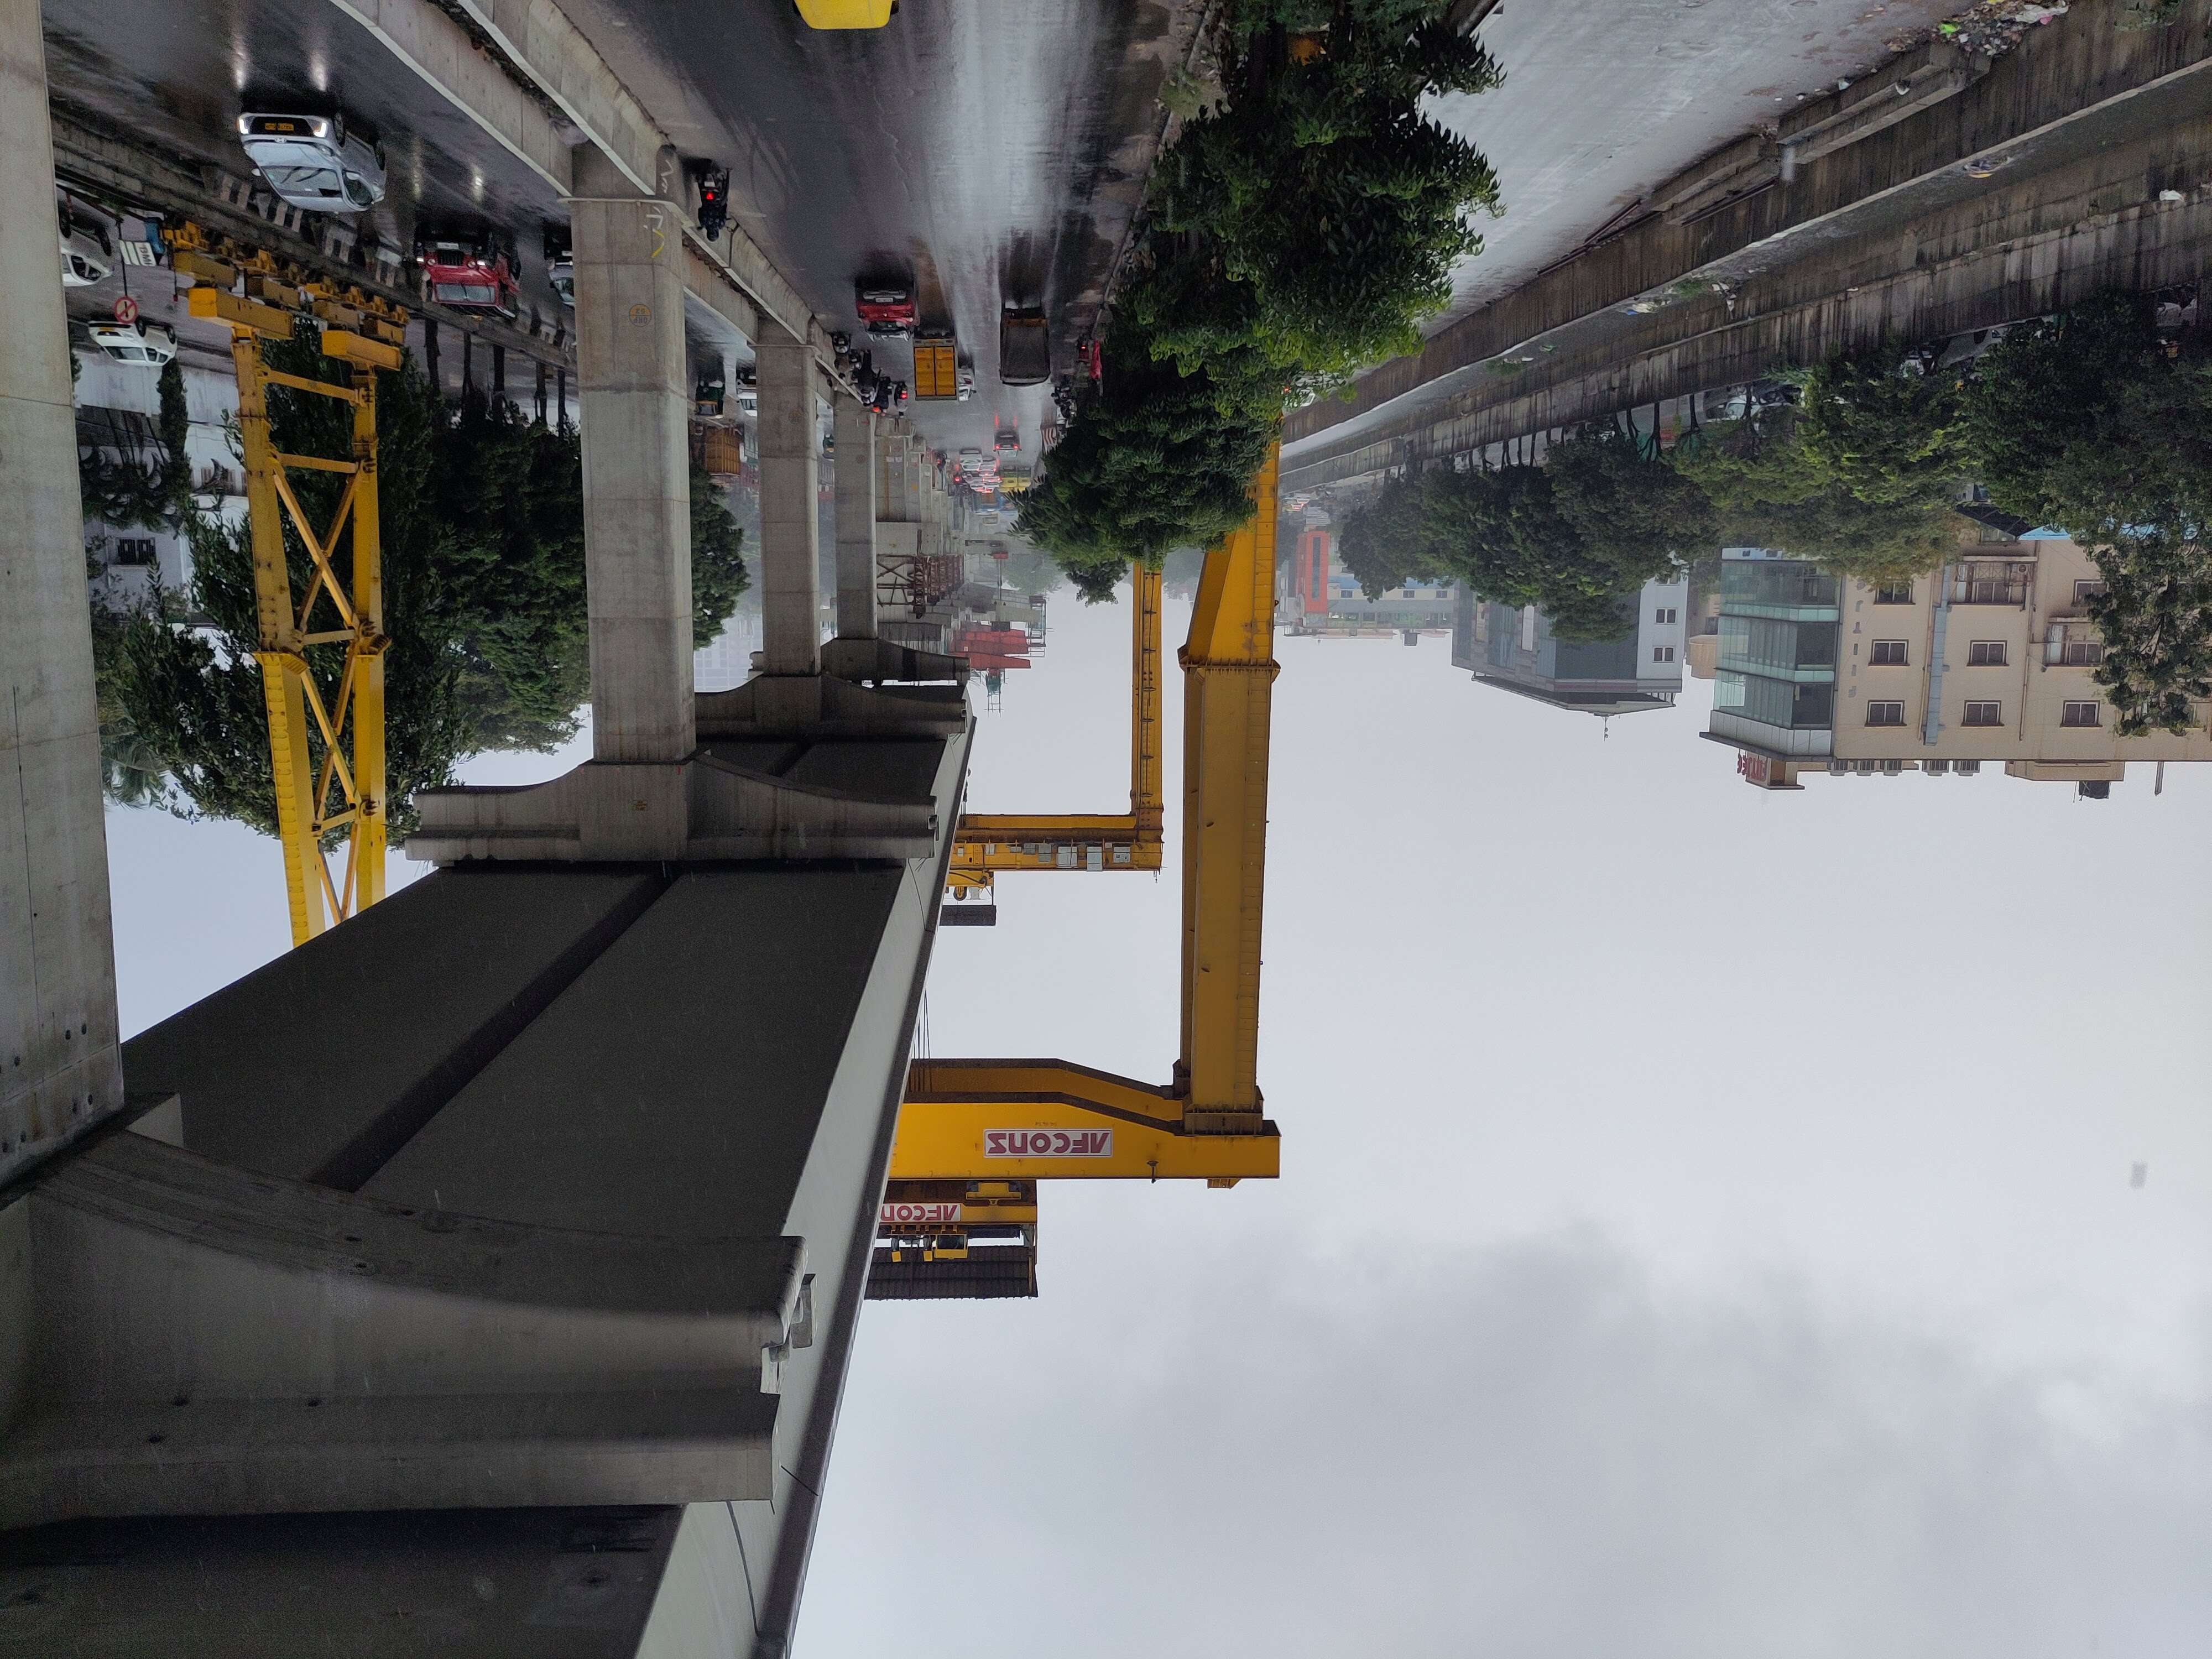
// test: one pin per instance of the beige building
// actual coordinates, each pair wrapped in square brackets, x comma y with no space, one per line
[1987,662]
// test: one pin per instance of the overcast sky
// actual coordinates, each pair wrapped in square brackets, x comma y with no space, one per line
[1706,1226]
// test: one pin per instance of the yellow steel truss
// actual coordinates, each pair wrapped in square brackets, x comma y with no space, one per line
[350,719]
[987,842]
[979,1120]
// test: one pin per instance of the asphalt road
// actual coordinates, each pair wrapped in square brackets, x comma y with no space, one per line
[985,152]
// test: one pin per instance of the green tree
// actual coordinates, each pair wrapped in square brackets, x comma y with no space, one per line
[719,575]
[2094,422]
[1767,491]
[196,701]
[1300,231]
[483,562]
[2087,421]
[510,554]
[1322,206]
[1151,461]
[1386,541]
[1886,437]
[1503,534]
[1637,516]
[2155,616]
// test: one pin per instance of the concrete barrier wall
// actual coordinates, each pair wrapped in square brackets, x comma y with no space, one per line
[2058,72]
[2141,246]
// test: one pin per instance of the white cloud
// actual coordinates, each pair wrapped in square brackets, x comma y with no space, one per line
[1524,1452]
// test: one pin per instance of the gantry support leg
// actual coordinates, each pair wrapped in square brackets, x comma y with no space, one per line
[1229,671]
[637,474]
[59,1073]
[371,828]
[283,671]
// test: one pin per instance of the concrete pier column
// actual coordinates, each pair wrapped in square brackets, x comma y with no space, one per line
[637,471]
[856,521]
[59,1070]
[790,489]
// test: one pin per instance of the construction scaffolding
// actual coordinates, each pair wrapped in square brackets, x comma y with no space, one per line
[343,789]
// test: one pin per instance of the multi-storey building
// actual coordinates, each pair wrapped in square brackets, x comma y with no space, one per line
[1986,662]
[1317,596]
[1513,647]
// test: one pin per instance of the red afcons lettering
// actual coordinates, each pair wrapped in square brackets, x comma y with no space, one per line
[1048,1143]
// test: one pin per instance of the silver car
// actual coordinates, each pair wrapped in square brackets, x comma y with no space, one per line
[313,163]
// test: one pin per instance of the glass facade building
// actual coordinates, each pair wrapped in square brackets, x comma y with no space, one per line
[1775,668]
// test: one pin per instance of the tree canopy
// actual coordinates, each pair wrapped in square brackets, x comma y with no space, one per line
[1301,229]
[1385,540]
[482,539]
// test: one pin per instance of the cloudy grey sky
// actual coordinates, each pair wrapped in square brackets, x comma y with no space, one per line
[1705,1229]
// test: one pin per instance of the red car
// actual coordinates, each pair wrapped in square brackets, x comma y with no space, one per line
[885,308]
[470,276]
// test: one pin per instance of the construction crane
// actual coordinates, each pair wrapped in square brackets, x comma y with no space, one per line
[987,842]
[972,1126]
[365,333]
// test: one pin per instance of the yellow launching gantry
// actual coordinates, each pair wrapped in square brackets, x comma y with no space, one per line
[974,1135]
[365,333]
[987,842]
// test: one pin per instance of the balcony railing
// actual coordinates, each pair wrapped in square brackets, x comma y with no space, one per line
[1984,582]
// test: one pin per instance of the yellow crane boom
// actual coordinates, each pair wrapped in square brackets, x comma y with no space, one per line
[997,1120]
[987,842]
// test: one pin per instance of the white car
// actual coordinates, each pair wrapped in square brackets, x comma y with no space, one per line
[312,162]
[151,343]
[82,265]
[87,245]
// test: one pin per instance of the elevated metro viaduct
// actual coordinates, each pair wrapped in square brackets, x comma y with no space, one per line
[479,1277]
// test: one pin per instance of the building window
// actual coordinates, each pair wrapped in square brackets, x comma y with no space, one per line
[1885,713]
[1985,714]
[2084,653]
[1934,768]
[2085,591]
[1665,614]
[1901,594]
[1888,651]
[2082,713]
[1662,653]
[1986,654]
[135,550]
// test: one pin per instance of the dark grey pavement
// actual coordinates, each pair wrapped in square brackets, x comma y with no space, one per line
[986,152]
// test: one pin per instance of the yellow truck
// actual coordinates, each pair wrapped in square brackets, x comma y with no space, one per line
[936,364]
[846,14]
